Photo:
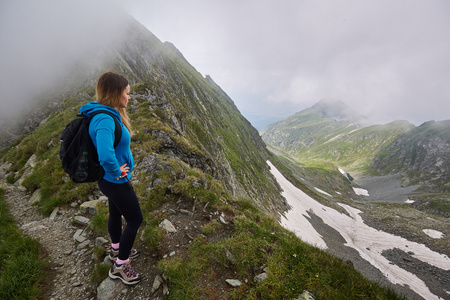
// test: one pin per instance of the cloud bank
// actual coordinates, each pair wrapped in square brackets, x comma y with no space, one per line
[43,40]
[386,59]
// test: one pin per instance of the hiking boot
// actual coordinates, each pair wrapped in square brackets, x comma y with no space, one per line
[125,273]
[114,253]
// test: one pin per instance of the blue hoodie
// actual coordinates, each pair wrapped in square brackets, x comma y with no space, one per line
[101,130]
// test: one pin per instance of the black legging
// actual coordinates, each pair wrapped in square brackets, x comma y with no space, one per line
[122,202]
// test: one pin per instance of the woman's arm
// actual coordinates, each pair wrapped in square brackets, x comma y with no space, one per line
[104,135]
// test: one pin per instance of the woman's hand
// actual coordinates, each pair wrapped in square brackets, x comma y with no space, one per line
[124,170]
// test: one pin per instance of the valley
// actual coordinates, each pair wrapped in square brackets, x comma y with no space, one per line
[370,194]
[347,236]
[387,188]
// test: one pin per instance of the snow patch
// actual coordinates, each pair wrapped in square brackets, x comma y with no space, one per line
[323,192]
[361,192]
[433,233]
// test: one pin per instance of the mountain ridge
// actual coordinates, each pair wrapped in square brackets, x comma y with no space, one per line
[168,86]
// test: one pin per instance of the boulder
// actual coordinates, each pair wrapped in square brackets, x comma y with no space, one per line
[109,289]
[90,206]
[167,225]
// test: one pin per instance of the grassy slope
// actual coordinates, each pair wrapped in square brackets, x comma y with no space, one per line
[354,151]
[213,126]
[408,152]
[21,269]
[258,243]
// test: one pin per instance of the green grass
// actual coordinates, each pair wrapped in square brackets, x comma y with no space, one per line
[211,227]
[56,188]
[99,273]
[153,234]
[21,268]
[99,222]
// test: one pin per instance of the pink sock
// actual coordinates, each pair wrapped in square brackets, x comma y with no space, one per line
[115,245]
[121,262]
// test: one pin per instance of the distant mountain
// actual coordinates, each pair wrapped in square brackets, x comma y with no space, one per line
[332,133]
[301,130]
[337,110]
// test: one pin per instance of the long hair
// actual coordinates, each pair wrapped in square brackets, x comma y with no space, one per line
[110,87]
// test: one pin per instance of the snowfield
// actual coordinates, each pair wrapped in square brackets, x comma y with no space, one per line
[368,241]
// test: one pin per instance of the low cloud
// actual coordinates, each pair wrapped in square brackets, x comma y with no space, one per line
[43,40]
[386,59]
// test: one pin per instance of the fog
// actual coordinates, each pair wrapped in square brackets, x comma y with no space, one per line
[386,59]
[43,40]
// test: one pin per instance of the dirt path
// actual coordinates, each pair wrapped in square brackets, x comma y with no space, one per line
[69,268]
[69,273]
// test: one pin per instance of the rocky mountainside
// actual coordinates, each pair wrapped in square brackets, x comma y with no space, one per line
[422,153]
[177,114]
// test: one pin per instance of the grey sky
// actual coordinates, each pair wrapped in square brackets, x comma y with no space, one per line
[388,59]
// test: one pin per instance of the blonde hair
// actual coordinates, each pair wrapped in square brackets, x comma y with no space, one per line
[110,87]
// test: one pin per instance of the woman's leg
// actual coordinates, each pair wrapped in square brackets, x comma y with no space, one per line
[114,222]
[122,201]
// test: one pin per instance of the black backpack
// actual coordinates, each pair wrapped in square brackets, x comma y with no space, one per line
[78,154]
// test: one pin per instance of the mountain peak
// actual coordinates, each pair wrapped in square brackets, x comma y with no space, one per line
[174,49]
[338,110]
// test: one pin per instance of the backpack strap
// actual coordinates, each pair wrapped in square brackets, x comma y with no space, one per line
[118,128]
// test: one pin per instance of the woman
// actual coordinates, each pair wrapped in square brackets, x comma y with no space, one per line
[113,95]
